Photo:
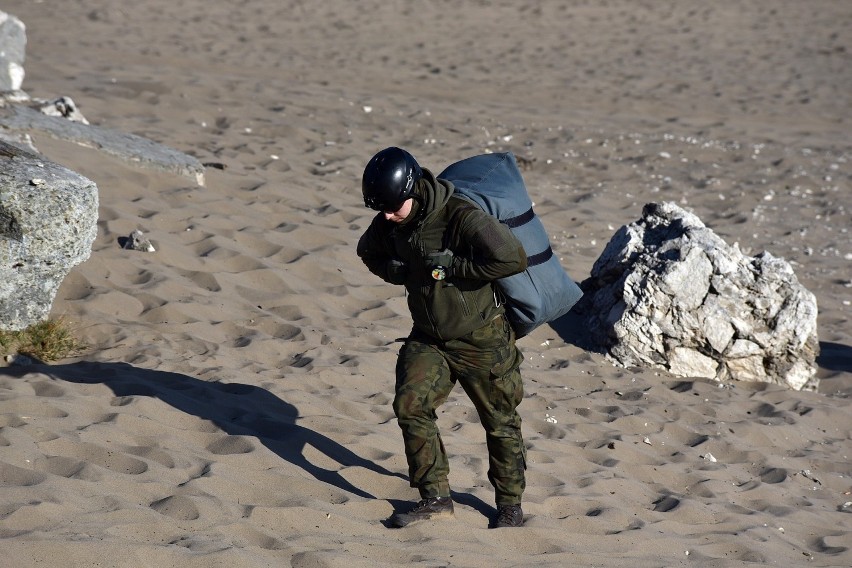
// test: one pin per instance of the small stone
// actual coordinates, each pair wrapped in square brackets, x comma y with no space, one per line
[18,360]
[137,241]
[806,473]
[64,107]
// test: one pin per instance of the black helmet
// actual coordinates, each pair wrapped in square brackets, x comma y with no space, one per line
[389,179]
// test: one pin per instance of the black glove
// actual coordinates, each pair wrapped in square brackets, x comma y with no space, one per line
[397,271]
[440,264]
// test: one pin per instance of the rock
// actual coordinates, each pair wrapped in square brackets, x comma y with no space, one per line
[64,107]
[684,361]
[669,292]
[13,44]
[18,360]
[137,241]
[20,139]
[134,149]
[48,222]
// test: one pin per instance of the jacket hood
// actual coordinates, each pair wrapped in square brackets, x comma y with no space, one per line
[434,194]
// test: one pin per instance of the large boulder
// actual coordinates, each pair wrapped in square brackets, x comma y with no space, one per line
[48,222]
[13,43]
[668,292]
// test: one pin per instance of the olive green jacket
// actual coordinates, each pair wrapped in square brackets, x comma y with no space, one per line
[484,250]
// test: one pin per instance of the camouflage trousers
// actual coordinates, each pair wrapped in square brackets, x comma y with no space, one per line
[486,362]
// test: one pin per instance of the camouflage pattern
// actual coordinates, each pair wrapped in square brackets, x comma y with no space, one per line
[486,362]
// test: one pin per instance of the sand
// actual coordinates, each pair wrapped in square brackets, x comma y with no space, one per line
[233,408]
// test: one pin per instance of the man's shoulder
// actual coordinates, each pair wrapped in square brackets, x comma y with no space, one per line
[457,204]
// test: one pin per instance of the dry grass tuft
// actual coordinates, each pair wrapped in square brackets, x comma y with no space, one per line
[49,340]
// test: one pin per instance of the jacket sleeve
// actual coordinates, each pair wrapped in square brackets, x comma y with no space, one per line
[373,251]
[486,249]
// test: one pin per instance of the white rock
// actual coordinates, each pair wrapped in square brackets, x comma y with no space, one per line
[668,292]
[13,44]
[687,362]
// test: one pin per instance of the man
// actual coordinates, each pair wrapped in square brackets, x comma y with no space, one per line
[447,253]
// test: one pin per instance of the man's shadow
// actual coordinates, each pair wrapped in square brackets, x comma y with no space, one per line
[237,409]
[835,357]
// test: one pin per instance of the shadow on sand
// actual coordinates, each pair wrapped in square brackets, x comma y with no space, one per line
[835,357]
[237,409]
[573,330]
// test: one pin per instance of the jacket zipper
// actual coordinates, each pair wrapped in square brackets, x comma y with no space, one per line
[429,315]
[465,306]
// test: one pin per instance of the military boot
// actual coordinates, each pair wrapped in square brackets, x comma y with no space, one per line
[509,516]
[431,508]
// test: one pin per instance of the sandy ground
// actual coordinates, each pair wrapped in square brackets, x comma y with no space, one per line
[234,407]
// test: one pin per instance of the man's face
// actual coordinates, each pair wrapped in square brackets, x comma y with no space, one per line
[400,214]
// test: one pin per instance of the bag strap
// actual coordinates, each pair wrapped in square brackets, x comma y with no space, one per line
[521,219]
[466,206]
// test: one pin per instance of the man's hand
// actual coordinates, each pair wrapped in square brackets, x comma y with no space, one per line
[397,271]
[440,264]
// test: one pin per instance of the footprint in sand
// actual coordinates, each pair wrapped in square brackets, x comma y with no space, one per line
[666,503]
[13,476]
[66,467]
[48,389]
[230,445]
[821,545]
[114,461]
[177,507]
[773,475]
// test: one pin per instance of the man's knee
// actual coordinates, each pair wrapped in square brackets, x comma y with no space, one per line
[408,405]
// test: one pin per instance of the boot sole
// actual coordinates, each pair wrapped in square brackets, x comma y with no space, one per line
[404,520]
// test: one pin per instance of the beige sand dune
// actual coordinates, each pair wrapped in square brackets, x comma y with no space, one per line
[234,407]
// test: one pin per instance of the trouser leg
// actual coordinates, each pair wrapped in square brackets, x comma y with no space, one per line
[506,451]
[487,364]
[423,383]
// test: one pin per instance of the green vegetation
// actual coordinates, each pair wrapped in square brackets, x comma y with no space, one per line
[46,341]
